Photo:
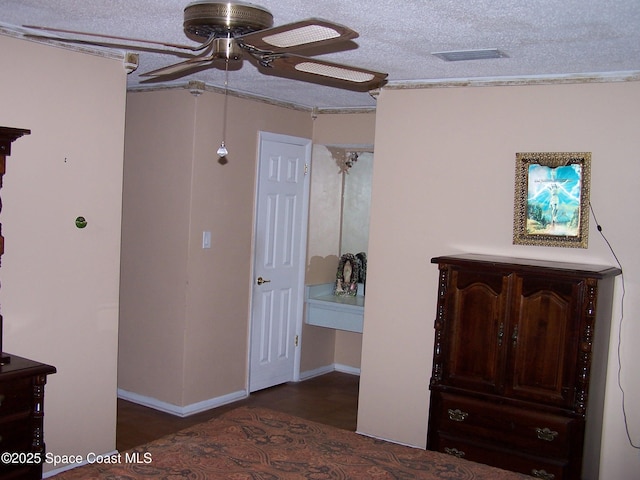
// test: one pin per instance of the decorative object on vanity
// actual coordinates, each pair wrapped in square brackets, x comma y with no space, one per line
[519,363]
[7,137]
[352,270]
[348,275]
[552,199]
[362,258]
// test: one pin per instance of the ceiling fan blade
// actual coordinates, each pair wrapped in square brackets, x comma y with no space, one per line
[192,48]
[217,48]
[181,68]
[326,73]
[121,46]
[305,33]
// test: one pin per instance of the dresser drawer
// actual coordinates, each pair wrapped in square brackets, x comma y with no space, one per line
[16,436]
[22,384]
[534,432]
[15,396]
[498,456]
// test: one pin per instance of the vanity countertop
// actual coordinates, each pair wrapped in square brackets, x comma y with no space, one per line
[341,312]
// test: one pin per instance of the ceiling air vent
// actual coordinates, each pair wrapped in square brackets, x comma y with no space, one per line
[479,54]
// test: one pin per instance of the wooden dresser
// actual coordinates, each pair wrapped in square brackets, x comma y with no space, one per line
[21,385]
[519,363]
[21,416]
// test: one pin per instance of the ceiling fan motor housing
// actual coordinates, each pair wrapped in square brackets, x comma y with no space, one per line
[202,19]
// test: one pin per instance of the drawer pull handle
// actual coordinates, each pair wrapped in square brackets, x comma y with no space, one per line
[454,451]
[542,474]
[514,336]
[2,397]
[500,334]
[546,434]
[457,415]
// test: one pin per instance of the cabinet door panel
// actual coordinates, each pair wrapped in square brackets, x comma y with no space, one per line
[544,340]
[475,324]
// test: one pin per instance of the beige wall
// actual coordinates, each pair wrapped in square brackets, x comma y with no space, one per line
[155,233]
[443,183]
[59,291]
[185,310]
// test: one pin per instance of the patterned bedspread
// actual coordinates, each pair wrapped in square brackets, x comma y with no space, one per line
[260,444]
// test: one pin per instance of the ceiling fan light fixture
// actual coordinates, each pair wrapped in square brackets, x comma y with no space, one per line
[331,71]
[301,36]
[204,18]
[227,48]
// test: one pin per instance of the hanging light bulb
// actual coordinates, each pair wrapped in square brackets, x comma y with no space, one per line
[222,150]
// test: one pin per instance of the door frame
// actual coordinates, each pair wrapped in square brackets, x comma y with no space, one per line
[307,143]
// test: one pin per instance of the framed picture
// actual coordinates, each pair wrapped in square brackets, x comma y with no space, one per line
[552,199]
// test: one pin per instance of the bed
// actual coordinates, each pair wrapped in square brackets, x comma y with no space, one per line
[262,444]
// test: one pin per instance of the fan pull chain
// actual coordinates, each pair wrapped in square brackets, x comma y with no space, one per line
[222,150]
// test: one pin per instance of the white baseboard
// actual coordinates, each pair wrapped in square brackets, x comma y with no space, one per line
[389,440]
[316,372]
[334,367]
[224,399]
[178,410]
[83,460]
[346,369]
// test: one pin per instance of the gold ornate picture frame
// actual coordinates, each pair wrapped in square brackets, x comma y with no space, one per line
[552,199]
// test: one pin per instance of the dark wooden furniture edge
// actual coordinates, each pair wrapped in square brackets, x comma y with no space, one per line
[7,136]
[568,268]
[20,367]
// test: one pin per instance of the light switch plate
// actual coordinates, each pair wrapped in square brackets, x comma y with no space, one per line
[206,239]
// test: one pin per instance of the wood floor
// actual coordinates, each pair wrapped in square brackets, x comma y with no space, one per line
[331,399]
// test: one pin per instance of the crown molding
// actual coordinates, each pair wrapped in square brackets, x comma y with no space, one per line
[198,87]
[596,77]
[25,34]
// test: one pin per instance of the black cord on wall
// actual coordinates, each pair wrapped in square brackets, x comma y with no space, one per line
[624,410]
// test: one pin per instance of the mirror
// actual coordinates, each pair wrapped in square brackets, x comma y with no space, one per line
[356,174]
[356,168]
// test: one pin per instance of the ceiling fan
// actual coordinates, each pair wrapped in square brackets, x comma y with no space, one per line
[229,30]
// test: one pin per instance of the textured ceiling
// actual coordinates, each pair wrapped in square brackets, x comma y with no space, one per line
[541,39]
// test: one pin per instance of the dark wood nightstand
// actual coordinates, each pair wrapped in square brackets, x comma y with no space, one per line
[22,447]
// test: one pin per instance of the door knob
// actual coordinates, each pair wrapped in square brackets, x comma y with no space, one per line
[261,280]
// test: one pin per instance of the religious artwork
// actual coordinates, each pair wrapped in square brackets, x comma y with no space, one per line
[350,272]
[552,199]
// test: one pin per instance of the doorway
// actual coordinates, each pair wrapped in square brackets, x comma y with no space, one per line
[282,208]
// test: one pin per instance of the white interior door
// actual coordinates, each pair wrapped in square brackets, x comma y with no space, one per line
[279,264]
